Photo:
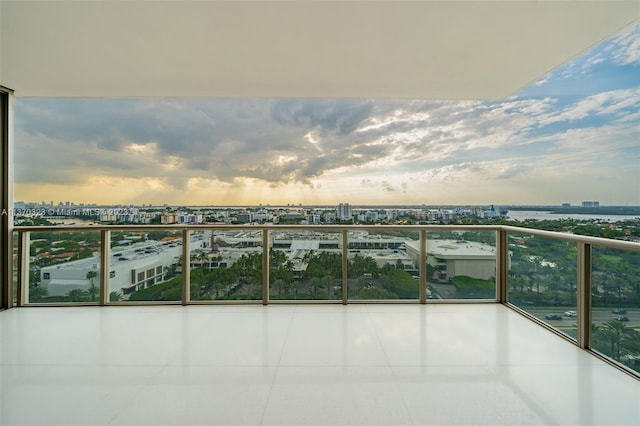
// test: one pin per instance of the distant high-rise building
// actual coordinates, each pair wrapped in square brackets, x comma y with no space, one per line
[344,211]
[245,217]
[591,204]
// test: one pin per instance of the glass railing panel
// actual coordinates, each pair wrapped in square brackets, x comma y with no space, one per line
[383,265]
[226,265]
[542,279]
[15,262]
[461,264]
[145,265]
[305,265]
[201,261]
[615,298]
[64,267]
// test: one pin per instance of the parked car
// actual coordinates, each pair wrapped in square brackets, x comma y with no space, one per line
[619,311]
[553,317]
[621,319]
[571,314]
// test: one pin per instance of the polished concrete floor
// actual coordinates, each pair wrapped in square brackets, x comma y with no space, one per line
[301,365]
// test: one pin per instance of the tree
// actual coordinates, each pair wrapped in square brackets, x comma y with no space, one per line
[34,277]
[218,280]
[630,343]
[377,293]
[278,287]
[328,283]
[76,295]
[170,271]
[361,265]
[93,290]
[197,281]
[280,268]
[362,283]
[609,336]
[554,284]
[517,281]
[323,263]
[37,294]
[115,296]
[315,286]
[203,257]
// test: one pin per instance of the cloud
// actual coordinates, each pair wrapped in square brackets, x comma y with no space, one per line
[386,186]
[611,64]
[328,116]
[542,81]
[615,102]
[305,143]
[625,47]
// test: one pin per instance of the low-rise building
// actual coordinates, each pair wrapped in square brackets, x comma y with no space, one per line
[131,268]
[450,258]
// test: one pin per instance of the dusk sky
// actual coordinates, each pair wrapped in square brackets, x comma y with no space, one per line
[573,135]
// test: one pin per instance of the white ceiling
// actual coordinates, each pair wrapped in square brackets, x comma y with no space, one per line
[328,49]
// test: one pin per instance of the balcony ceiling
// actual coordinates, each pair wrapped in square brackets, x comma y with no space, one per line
[337,49]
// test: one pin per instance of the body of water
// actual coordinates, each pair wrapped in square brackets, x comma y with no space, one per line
[522,215]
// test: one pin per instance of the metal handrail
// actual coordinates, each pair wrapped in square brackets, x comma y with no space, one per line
[605,242]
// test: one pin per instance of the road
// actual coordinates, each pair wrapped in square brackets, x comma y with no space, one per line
[600,315]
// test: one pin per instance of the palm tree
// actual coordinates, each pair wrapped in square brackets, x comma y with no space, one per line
[295,285]
[76,295]
[609,336]
[115,296]
[630,343]
[93,290]
[197,282]
[553,283]
[328,282]
[278,286]
[315,285]
[203,257]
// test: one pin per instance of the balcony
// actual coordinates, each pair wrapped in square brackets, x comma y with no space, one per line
[307,331]
[530,335]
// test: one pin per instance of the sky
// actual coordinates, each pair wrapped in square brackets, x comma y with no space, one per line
[571,136]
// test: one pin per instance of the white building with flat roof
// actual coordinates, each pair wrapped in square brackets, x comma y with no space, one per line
[450,258]
[131,268]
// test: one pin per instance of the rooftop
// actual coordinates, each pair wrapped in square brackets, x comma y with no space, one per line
[456,249]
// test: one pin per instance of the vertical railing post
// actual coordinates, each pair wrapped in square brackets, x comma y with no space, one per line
[345,264]
[105,255]
[423,266]
[6,198]
[584,295]
[265,267]
[502,265]
[186,267]
[22,296]
[8,275]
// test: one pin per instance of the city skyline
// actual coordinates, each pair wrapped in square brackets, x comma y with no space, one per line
[572,135]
